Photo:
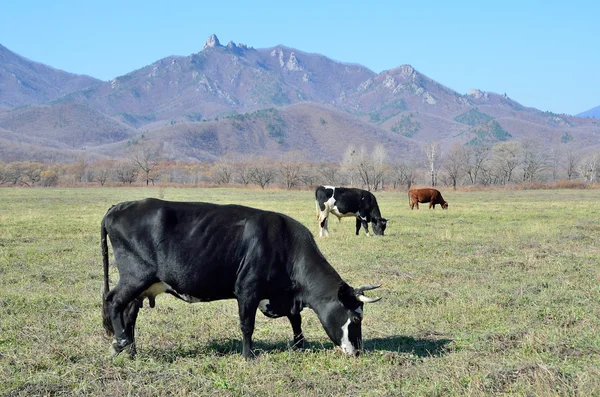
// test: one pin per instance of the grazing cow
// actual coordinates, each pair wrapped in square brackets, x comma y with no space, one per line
[427,195]
[200,252]
[342,202]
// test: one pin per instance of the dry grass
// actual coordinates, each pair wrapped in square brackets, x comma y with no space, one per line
[498,295]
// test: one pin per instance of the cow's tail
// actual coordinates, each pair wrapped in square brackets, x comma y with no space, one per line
[318,210]
[106,321]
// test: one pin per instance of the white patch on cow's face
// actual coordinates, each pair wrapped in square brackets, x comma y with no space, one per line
[345,343]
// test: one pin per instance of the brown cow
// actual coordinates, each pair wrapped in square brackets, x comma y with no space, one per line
[427,195]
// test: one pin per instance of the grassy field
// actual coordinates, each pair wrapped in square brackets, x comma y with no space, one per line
[498,295]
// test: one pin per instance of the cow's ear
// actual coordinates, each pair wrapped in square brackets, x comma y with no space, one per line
[347,295]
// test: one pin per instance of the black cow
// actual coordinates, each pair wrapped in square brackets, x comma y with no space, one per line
[342,202]
[202,252]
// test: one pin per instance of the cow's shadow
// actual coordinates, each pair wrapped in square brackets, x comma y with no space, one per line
[421,347]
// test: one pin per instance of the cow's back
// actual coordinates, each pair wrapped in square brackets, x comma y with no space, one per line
[200,249]
[423,195]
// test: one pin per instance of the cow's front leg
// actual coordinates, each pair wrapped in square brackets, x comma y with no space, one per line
[324,226]
[247,311]
[129,318]
[296,322]
[361,222]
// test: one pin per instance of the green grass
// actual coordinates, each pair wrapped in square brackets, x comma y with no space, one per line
[500,294]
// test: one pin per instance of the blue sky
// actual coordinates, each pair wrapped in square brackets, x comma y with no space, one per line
[544,54]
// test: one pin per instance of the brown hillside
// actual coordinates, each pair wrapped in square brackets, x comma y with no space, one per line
[66,124]
[320,132]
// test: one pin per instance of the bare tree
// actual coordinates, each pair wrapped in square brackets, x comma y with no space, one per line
[433,153]
[311,172]
[379,166]
[242,172]
[329,173]
[146,156]
[533,159]
[349,164]
[478,156]
[506,156]
[197,171]
[589,168]
[222,172]
[125,172]
[261,172]
[456,162]
[554,158]
[32,173]
[403,173]
[49,176]
[79,169]
[13,173]
[102,171]
[369,169]
[290,168]
[3,173]
[571,162]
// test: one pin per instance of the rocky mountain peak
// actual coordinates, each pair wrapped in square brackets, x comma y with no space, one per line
[213,41]
[292,64]
[478,94]
[277,52]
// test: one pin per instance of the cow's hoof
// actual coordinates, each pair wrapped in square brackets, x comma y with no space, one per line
[298,344]
[128,351]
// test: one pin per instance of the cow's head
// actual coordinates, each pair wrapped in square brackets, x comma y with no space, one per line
[343,317]
[379,225]
[445,205]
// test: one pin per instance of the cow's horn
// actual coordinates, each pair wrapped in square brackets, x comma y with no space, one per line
[366,299]
[364,288]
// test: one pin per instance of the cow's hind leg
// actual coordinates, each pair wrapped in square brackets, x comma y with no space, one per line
[123,306]
[247,310]
[296,322]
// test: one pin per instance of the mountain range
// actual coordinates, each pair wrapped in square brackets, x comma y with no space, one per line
[234,99]
[593,112]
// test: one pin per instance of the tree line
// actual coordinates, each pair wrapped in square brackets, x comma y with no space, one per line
[501,164]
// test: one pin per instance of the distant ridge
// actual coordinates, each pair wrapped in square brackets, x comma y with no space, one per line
[25,82]
[593,112]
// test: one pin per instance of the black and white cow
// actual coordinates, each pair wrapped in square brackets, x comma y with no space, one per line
[202,252]
[342,202]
